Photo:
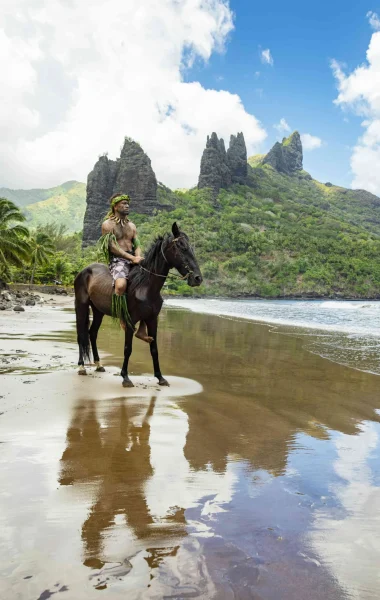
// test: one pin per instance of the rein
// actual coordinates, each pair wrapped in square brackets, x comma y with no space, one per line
[174,275]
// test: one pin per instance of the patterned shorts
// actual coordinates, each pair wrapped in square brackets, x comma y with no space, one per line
[119,268]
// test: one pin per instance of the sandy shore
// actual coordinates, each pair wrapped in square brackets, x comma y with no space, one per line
[241,480]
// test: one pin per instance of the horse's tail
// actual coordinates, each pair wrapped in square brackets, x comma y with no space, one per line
[82,311]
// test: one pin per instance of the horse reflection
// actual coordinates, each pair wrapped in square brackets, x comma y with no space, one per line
[116,460]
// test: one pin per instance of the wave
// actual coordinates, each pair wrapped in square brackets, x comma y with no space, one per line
[331,315]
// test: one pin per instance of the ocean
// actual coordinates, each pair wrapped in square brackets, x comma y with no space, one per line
[346,332]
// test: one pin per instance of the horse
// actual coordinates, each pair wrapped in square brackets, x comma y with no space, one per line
[93,287]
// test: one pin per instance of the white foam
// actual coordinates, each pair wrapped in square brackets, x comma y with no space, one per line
[356,318]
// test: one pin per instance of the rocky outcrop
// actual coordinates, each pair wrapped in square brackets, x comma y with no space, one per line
[214,172]
[286,157]
[219,169]
[237,159]
[15,300]
[130,174]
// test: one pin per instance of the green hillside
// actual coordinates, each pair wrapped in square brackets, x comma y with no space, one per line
[61,205]
[281,236]
[354,206]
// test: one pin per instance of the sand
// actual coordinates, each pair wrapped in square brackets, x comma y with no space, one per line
[252,476]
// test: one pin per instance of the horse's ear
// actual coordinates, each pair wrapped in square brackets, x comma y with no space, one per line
[175,230]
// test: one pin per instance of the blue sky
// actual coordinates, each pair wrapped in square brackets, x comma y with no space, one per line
[303,39]
[77,78]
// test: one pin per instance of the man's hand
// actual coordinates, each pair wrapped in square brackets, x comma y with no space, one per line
[137,259]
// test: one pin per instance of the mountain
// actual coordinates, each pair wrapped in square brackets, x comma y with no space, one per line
[287,156]
[64,204]
[220,169]
[130,174]
[294,185]
[281,234]
[270,230]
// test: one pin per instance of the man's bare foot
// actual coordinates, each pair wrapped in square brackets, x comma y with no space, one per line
[142,333]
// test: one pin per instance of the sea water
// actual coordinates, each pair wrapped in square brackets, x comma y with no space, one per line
[347,332]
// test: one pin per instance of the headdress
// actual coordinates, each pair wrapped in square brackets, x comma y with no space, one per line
[111,214]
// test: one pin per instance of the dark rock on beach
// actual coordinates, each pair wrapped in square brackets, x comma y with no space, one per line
[11,300]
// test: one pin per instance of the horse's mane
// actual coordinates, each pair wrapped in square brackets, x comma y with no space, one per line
[152,261]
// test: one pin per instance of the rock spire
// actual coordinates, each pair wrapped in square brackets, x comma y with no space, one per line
[286,157]
[219,169]
[130,174]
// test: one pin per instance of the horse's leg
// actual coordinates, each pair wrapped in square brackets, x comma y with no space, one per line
[152,331]
[127,353]
[97,318]
[82,319]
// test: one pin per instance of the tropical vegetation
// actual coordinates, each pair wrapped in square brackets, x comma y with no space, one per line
[14,244]
[279,236]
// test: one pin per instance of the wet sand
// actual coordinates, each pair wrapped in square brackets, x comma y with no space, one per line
[255,475]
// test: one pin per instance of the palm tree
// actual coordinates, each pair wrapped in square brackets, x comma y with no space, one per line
[14,246]
[41,246]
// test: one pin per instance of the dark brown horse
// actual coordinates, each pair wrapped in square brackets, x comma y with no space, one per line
[93,287]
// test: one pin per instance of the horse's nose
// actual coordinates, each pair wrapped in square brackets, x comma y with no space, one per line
[198,279]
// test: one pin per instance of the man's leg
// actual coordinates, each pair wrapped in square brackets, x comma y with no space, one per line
[142,333]
[120,289]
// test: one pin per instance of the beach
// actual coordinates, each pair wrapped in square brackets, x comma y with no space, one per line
[254,475]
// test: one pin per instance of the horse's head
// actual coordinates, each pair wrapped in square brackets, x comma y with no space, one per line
[179,254]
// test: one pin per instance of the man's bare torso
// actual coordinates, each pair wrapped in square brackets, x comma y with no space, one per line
[124,234]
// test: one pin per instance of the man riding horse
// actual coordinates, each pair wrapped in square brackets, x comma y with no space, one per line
[104,288]
[122,248]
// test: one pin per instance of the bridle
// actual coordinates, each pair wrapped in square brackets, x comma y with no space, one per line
[183,277]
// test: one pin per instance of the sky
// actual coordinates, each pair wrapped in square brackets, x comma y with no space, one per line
[77,78]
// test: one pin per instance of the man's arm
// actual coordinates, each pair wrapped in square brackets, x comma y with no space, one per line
[114,247]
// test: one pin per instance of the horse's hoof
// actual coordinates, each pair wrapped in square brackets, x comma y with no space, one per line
[100,370]
[127,383]
[82,371]
[163,382]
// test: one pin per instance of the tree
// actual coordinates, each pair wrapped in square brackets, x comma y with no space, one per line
[14,246]
[42,246]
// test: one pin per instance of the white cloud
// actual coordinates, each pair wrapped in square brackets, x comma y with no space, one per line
[359,92]
[75,82]
[339,534]
[282,126]
[266,57]
[374,20]
[310,142]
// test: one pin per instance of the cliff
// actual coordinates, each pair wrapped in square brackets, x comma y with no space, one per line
[219,169]
[286,157]
[130,174]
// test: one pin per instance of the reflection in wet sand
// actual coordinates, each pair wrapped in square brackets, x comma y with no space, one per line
[354,529]
[115,457]
[260,481]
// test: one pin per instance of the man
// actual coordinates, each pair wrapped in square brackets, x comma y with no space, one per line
[121,246]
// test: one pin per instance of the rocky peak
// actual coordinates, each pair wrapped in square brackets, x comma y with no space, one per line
[286,157]
[130,174]
[220,168]
[237,159]
[214,172]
